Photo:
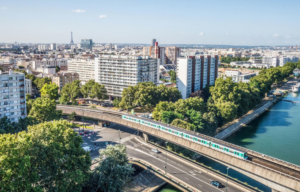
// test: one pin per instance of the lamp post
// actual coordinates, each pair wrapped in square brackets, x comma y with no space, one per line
[227,178]
[166,158]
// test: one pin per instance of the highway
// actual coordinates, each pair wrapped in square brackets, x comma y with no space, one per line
[177,167]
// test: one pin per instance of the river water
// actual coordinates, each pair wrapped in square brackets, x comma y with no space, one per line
[275,133]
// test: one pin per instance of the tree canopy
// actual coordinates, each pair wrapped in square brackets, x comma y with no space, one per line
[50,90]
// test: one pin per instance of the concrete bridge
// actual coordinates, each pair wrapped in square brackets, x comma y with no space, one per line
[274,173]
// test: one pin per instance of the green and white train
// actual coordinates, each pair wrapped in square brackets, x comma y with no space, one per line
[189,136]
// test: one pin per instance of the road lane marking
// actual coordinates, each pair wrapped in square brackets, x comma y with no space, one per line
[178,169]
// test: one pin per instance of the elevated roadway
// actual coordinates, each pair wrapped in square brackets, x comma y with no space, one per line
[274,173]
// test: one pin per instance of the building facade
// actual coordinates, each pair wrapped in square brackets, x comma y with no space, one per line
[60,79]
[172,53]
[118,72]
[195,72]
[272,61]
[12,94]
[28,86]
[86,43]
[156,52]
[85,68]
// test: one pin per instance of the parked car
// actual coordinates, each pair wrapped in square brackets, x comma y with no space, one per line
[120,110]
[216,183]
[155,150]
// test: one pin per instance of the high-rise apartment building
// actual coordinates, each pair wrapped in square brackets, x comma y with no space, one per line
[86,43]
[28,86]
[156,52]
[53,46]
[195,72]
[153,41]
[60,79]
[84,67]
[12,94]
[118,72]
[172,53]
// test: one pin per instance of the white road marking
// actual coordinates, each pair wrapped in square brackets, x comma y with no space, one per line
[177,168]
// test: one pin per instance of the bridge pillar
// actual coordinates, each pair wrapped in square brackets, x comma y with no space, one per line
[145,136]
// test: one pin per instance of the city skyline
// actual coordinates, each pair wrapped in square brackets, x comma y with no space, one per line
[232,22]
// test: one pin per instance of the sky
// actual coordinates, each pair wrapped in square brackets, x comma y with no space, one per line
[218,22]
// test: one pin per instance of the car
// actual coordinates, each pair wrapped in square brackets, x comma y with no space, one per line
[87,148]
[120,110]
[155,150]
[216,183]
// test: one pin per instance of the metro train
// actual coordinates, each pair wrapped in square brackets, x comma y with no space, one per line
[188,136]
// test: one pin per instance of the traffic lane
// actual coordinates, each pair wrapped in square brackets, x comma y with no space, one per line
[181,170]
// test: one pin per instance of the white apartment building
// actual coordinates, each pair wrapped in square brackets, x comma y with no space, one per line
[85,68]
[272,61]
[28,86]
[12,94]
[284,59]
[43,47]
[117,72]
[238,76]
[53,46]
[61,63]
[195,72]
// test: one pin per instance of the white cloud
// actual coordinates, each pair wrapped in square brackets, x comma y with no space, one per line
[3,7]
[79,10]
[201,33]
[102,16]
[276,35]
[288,36]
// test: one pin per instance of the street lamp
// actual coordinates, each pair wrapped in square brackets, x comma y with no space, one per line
[166,158]
[227,178]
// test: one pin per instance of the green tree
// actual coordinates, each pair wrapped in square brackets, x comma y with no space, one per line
[98,91]
[50,90]
[86,88]
[116,102]
[128,96]
[57,69]
[64,99]
[228,110]
[48,157]
[71,90]
[112,172]
[40,82]
[162,107]
[32,78]
[44,109]
[173,76]
[195,118]
[183,124]
[169,116]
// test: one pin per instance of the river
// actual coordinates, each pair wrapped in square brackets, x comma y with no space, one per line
[275,133]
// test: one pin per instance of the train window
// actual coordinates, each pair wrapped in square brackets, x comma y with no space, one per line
[187,136]
[176,133]
[195,139]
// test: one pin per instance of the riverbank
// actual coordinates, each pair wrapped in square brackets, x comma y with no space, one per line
[235,125]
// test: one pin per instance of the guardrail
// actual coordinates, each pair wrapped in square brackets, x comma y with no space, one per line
[209,168]
[207,137]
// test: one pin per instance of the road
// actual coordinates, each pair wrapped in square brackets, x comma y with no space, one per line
[178,167]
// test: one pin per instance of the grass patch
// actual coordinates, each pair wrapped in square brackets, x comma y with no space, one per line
[81,126]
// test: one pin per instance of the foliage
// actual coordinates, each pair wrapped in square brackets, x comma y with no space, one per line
[50,90]
[173,76]
[169,116]
[232,59]
[71,117]
[28,97]
[70,91]
[180,150]
[32,78]
[116,102]
[40,82]
[164,80]
[98,91]
[44,109]
[86,88]
[183,124]
[64,99]
[111,173]
[147,94]
[57,69]
[48,157]
[7,126]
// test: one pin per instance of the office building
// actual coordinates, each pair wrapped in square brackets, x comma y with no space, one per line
[195,72]
[12,94]
[153,41]
[86,44]
[156,52]
[85,68]
[172,53]
[60,79]
[117,72]
[53,46]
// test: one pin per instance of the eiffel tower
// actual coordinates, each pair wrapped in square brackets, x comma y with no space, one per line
[71,38]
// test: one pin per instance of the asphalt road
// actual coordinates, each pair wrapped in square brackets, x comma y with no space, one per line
[183,171]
